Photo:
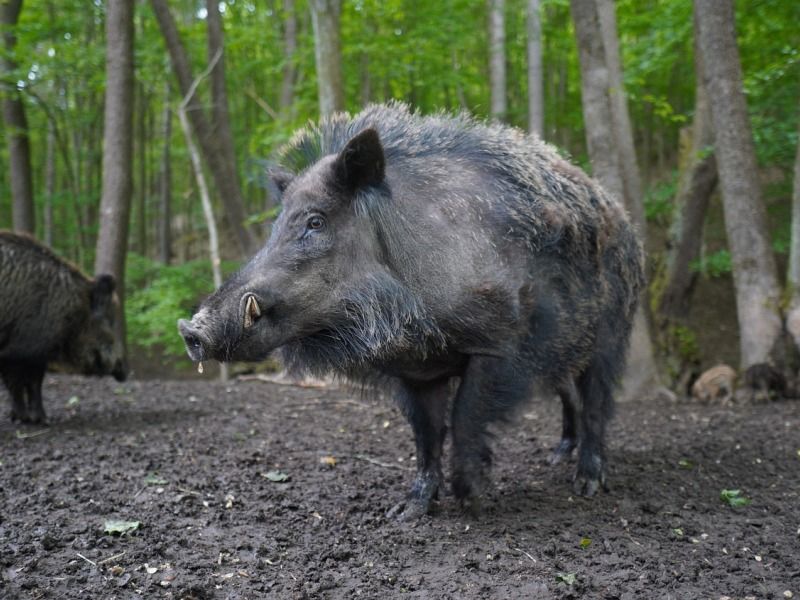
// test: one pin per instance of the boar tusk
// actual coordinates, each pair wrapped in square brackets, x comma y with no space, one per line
[251,311]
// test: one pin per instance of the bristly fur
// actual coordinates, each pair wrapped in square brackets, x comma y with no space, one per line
[377,321]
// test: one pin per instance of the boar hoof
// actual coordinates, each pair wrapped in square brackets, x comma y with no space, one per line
[588,486]
[409,509]
[562,452]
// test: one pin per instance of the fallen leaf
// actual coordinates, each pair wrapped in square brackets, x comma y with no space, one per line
[329,461]
[153,478]
[568,578]
[275,476]
[734,498]
[120,527]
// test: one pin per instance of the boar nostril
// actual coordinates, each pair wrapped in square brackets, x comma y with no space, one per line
[192,341]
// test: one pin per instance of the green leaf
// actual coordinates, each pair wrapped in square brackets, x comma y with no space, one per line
[734,498]
[73,401]
[685,464]
[120,527]
[154,478]
[276,476]
[568,578]
[585,543]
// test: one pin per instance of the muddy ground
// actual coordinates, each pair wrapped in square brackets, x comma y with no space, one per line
[193,463]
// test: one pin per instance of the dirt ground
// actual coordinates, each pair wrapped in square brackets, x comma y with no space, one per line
[194,463]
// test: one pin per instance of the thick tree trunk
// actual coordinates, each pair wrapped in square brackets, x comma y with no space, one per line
[697,182]
[497,59]
[115,204]
[793,317]
[16,125]
[535,73]
[623,131]
[754,270]
[606,167]
[165,191]
[595,86]
[289,56]
[325,17]
[220,121]
[227,183]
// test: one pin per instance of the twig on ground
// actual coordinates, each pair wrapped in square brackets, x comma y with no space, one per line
[91,562]
[110,558]
[32,434]
[525,553]
[375,462]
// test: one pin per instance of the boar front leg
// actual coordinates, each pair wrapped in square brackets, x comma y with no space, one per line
[425,407]
[34,375]
[570,405]
[490,388]
[13,378]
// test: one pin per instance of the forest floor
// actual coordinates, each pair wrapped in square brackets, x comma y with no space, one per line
[195,463]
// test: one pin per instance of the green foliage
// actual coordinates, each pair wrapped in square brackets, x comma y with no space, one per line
[684,342]
[734,498]
[158,295]
[713,265]
[658,201]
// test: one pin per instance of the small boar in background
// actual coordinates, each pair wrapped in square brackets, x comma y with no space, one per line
[716,384]
[51,312]
[413,250]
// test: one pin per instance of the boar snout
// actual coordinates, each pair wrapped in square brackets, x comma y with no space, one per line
[193,340]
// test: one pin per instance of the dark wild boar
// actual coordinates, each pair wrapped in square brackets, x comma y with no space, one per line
[50,311]
[412,250]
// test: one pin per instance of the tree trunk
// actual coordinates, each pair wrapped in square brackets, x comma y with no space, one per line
[606,167]
[220,117]
[535,73]
[49,184]
[289,56]
[205,198]
[595,85]
[497,59]
[165,191]
[623,131]
[16,125]
[227,183]
[754,271]
[793,317]
[697,182]
[141,195]
[325,17]
[115,204]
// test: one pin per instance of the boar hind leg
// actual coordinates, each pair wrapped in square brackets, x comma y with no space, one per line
[34,375]
[13,378]
[595,386]
[490,388]
[425,407]
[569,428]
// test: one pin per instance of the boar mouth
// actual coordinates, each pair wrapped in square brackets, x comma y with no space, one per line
[252,311]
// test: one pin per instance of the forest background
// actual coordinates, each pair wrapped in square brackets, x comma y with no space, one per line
[262,69]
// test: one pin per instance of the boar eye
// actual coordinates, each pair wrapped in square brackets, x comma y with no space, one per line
[315,223]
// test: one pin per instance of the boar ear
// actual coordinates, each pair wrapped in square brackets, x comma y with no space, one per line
[361,163]
[278,179]
[102,288]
